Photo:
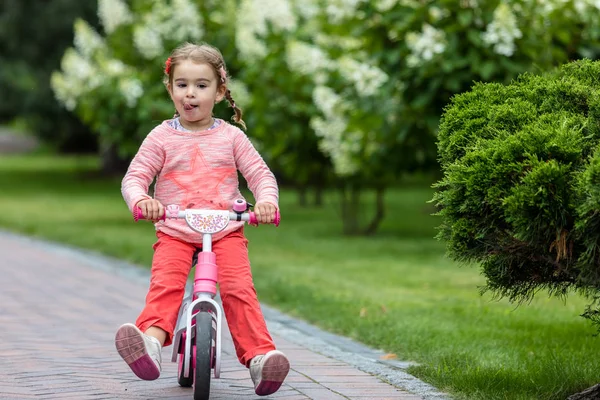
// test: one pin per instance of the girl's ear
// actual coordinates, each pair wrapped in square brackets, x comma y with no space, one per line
[220,93]
[170,90]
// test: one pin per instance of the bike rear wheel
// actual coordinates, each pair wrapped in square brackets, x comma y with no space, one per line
[204,354]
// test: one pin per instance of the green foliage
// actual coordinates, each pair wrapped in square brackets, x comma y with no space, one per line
[33,37]
[520,193]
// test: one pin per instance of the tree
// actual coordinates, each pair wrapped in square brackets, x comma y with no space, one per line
[379,73]
[33,37]
[345,93]
[520,195]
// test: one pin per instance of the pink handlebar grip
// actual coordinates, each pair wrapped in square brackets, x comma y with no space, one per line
[254,221]
[138,214]
[277,218]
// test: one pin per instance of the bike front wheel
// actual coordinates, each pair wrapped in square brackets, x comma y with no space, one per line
[181,379]
[204,353]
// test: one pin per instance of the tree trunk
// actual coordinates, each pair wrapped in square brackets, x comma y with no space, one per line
[351,211]
[302,201]
[350,199]
[112,163]
[318,196]
[592,393]
[379,211]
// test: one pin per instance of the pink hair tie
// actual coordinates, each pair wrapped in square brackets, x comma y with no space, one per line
[168,66]
[223,75]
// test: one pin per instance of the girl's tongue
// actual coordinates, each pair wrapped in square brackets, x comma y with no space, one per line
[188,107]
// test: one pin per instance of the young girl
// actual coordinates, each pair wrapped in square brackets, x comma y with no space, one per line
[195,159]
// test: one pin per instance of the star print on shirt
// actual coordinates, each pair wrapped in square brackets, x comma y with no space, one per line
[200,183]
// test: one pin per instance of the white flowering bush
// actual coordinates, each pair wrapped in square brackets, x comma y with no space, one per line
[432,50]
[113,79]
[349,91]
[278,70]
[369,79]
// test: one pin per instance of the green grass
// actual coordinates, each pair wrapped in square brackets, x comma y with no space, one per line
[395,291]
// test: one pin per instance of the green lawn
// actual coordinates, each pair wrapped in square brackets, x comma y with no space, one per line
[395,291]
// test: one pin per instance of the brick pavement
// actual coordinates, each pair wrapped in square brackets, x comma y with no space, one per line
[59,315]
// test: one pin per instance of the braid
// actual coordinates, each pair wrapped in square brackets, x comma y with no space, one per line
[238,111]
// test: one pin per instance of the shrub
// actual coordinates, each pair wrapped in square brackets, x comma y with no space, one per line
[520,193]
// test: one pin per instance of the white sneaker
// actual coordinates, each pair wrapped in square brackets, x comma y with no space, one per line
[140,351]
[268,372]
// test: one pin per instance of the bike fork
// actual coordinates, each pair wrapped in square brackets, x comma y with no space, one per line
[205,289]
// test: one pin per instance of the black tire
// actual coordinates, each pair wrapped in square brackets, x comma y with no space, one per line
[203,356]
[183,381]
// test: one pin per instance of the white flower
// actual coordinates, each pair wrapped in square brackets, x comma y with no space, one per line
[113,68]
[385,5]
[77,78]
[331,142]
[338,10]
[179,21]
[185,22]
[587,8]
[411,3]
[86,40]
[63,92]
[78,69]
[307,9]
[326,100]
[344,42]
[306,59]
[332,131]
[502,31]
[546,7]
[131,89]
[425,45]
[253,16]
[148,41]
[468,3]
[366,78]
[239,92]
[437,13]
[113,13]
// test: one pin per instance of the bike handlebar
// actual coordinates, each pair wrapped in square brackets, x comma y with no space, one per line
[173,212]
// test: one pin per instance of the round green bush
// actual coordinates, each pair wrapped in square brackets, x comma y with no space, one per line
[520,193]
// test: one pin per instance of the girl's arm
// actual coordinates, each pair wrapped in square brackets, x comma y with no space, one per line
[249,162]
[146,164]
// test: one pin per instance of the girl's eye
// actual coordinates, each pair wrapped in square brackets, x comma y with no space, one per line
[181,85]
[202,86]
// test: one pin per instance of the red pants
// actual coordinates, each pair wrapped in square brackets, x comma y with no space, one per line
[171,266]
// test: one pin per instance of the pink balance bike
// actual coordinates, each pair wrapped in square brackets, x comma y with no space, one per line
[197,336]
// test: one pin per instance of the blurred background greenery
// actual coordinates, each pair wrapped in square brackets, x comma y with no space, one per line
[343,99]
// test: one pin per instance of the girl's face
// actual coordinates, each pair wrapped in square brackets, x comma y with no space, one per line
[194,92]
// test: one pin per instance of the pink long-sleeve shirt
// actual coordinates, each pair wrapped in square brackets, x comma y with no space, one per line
[197,170]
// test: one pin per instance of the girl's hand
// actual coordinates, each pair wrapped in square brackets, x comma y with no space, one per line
[151,209]
[265,212]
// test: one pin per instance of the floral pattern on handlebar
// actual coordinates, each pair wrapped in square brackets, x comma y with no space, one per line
[207,221]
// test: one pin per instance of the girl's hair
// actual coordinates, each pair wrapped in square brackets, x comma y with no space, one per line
[203,54]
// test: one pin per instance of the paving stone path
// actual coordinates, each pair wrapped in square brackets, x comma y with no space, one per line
[11,143]
[59,314]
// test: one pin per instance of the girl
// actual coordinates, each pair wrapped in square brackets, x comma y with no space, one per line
[195,159]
